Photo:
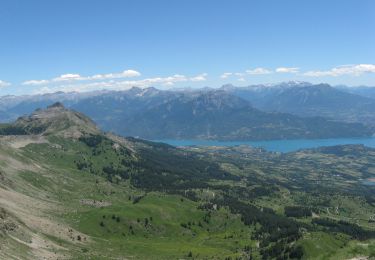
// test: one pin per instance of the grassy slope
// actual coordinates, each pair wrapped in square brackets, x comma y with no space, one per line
[163,237]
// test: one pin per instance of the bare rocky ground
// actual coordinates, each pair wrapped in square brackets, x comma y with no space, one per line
[95,203]
[22,141]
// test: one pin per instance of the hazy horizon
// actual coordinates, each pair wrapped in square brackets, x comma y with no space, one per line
[179,88]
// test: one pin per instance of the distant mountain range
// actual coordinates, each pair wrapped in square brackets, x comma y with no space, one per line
[306,100]
[364,91]
[289,110]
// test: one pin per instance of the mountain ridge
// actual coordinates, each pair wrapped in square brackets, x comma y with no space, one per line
[144,112]
[58,120]
[312,100]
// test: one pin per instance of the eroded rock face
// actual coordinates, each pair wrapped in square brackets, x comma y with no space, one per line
[3,213]
[6,224]
[4,180]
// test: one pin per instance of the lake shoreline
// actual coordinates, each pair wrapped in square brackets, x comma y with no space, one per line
[283,146]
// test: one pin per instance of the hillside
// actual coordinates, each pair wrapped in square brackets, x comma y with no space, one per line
[101,196]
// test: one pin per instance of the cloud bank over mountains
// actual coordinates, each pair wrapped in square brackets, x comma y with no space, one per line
[131,77]
[78,83]
[355,70]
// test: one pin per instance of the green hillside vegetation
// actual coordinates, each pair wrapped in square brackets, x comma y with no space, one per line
[74,192]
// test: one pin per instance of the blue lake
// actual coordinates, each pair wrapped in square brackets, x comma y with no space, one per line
[368,182]
[277,145]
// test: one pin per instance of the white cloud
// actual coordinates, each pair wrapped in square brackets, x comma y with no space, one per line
[287,70]
[112,84]
[4,84]
[124,74]
[35,82]
[169,84]
[241,75]
[68,77]
[225,75]
[201,77]
[352,70]
[168,81]
[77,77]
[258,71]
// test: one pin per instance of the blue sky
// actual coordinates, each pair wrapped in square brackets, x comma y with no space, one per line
[90,44]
